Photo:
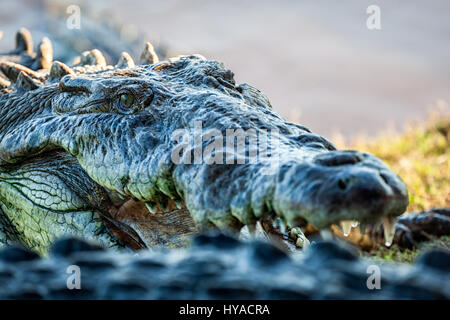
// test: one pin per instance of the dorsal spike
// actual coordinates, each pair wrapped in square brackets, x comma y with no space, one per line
[98,57]
[59,70]
[25,82]
[11,70]
[92,58]
[44,55]
[76,61]
[24,42]
[148,55]
[125,61]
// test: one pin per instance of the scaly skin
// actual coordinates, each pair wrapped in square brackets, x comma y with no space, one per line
[208,270]
[88,147]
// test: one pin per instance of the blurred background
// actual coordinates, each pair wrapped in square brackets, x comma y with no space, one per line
[317,61]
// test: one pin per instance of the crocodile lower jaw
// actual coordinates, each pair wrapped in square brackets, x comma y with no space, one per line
[171,225]
[140,227]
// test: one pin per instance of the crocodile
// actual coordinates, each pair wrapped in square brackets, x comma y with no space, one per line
[145,155]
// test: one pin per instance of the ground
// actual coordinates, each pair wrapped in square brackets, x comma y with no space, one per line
[421,156]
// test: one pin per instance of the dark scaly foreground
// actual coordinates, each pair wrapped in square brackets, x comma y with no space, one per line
[88,151]
[218,267]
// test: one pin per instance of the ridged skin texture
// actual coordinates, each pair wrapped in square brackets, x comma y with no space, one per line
[127,148]
[217,267]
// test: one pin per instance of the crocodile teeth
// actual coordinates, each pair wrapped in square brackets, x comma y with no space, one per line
[151,207]
[346,226]
[302,242]
[389,229]
[355,223]
[300,239]
[178,203]
[293,233]
[281,225]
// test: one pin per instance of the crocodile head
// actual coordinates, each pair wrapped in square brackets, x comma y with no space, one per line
[182,131]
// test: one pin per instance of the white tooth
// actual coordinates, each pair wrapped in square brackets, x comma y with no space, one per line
[355,223]
[259,232]
[178,203]
[389,229]
[294,233]
[245,233]
[150,207]
[281,225]
[346,226]
[302,242]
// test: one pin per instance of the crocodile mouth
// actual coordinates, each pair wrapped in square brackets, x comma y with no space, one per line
[150,224]
[343,188]
[140,225]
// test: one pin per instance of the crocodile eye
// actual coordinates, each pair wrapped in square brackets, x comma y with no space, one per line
[126,100]
[126,103]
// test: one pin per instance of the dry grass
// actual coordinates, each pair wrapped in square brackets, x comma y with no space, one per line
[394,254]
[421,157]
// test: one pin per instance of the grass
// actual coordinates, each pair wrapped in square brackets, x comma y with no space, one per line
[394,254]
[421,157]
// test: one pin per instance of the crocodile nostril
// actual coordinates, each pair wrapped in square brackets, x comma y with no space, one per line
[342,184]
[384,177]
[338,158]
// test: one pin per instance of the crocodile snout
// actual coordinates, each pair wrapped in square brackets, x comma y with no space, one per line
[338,186]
